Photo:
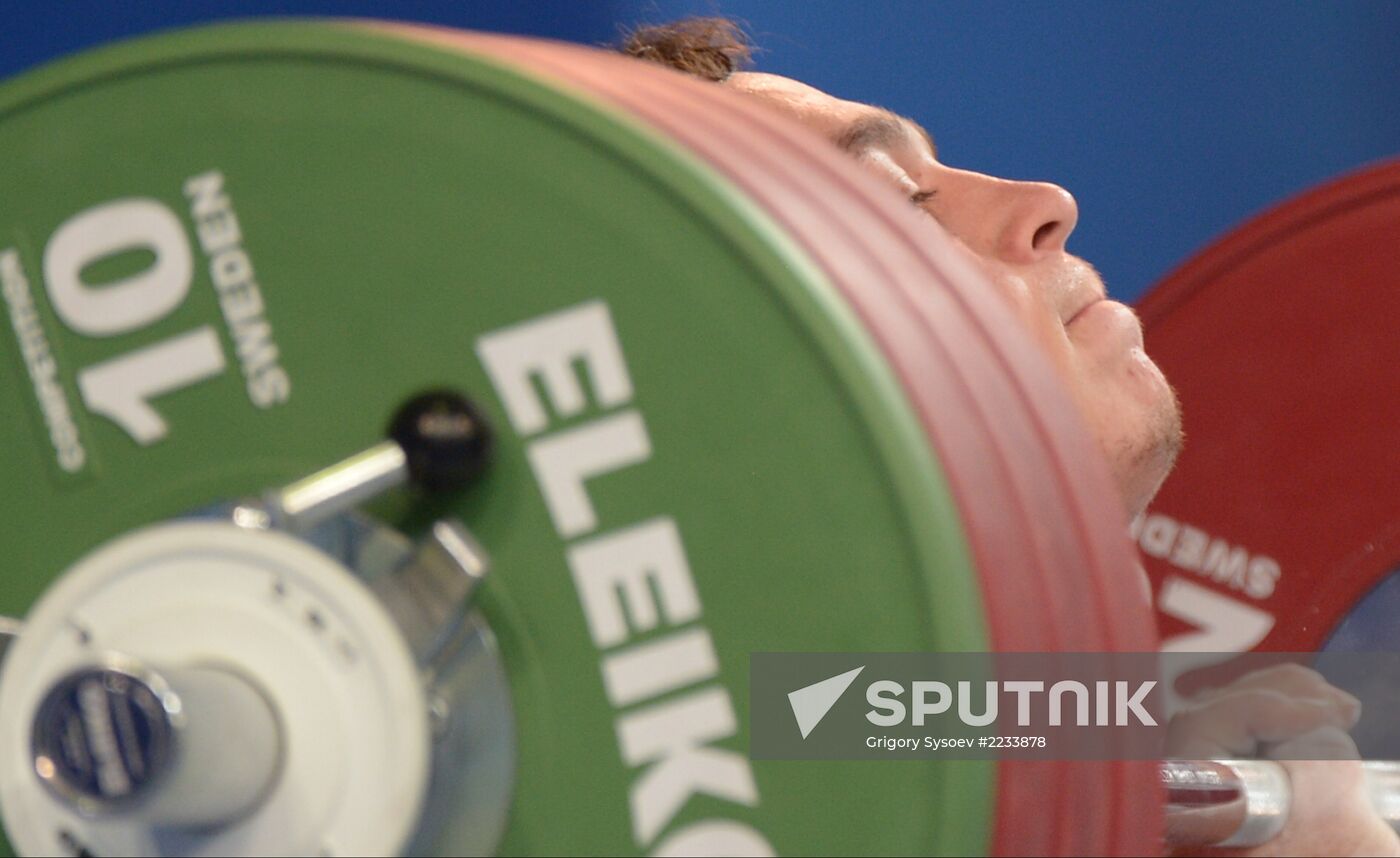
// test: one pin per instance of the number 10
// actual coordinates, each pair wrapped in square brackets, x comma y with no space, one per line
[121,388]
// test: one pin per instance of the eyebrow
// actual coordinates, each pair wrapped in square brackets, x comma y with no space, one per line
[881,129]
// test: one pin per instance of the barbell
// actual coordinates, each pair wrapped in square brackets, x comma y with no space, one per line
[742,401]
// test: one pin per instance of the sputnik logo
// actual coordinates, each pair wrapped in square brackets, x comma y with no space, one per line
[810,704]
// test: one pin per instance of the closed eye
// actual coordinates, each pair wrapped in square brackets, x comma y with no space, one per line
[921,197]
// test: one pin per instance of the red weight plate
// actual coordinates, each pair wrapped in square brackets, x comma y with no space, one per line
[1284,510]
[1039,511]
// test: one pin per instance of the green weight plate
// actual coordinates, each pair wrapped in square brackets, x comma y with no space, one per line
[398,212]
[1040,518]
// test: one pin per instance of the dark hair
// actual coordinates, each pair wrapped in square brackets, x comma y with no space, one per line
[711,48]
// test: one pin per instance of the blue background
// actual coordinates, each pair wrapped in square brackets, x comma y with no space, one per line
[1170,123]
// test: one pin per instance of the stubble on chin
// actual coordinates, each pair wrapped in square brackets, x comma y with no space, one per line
[1142,463]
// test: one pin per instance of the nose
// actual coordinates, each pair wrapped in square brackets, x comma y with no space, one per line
[1017,222]
[1038,218]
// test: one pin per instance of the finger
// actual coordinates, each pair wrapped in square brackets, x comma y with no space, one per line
[1290,679]
[1324,743]
[1234,724]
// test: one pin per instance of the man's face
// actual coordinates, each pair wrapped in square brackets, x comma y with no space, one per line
[1015,232]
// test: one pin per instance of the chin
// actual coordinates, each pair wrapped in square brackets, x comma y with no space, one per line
[1139,488]
[1142,461]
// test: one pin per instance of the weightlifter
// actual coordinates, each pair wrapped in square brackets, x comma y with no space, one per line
[1015,232]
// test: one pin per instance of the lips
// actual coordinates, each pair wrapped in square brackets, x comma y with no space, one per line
[1080,312]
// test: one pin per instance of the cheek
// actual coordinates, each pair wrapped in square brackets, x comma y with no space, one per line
[1012,289]
[1039,319]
